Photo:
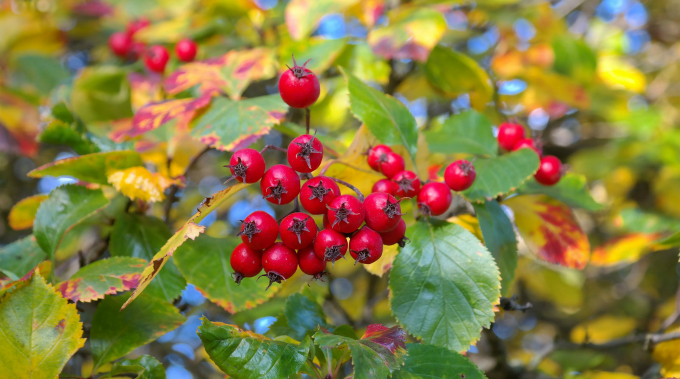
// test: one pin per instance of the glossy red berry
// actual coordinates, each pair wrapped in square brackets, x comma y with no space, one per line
[346,214]
[317,193]
[393,164]
[299,87]
[305,153]
[434,198]
[330,245]
[386,186]
[247,165]
[297,230]
[366,246]
[280,184]
[408,184]
[549,171]
[134,26]
[509,134]
[460,175]
[528,143]
[259,230]
[186,50]
[279,262]
[245,262]
[378,155]
[156,58]
[395,236]
[120,44]
[383,211]
[310,264]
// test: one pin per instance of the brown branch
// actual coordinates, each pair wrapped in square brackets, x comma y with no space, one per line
[353,188]
[172,195]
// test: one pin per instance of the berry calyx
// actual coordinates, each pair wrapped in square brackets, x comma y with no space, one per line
[279,262]
[134,26]
[434,199]
[378,155]
[395,236]
[528,143]
[460,175]
[245,262]
[280,184]
[311,264]
[186,50]
[393,164]
[156,58]
[345,214]
[549,171]
[330,245]
[317,193]
[259,230]
[366,246]
[120,44]
[247,165]
[305,153]
[509,134]
[383,211]
[386,186]
[408,184]
[299,87]
[297,230]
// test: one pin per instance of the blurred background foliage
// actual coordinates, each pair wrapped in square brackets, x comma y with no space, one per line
[597,80]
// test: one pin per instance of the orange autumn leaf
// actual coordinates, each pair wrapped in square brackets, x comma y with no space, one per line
[139,183]
[22,214]
[103,277]
[625,249]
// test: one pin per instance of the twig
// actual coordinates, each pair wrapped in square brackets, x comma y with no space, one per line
[510,304]
[272,147]
[337,367]
[353,188]
[172,195]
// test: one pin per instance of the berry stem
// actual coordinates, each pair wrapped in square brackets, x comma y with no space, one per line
[337,367]
[297,205]
[353,188]
[334,161]
[307,118]
[272,147]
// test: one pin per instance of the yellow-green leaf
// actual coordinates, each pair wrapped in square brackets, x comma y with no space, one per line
[91,168]
[22,214]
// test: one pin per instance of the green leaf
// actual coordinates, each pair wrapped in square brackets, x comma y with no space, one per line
[40,331]
[468,132]
[499,238]
[444,285]
[303,17]
[59,133]
[376,354]
[386,117]
[66,207]
[41,71]
[116,332]
[300,316]
[246,355]
[320,51]
[500,175]
[141,237]
[669,242]
[91,168]
[231,125]
[572,190]
[19,257]
[204,262]
[427,361]
[103,277]
[637,220]
[101,94]
[455,73]
[360,60]
[146,367]
[574,58]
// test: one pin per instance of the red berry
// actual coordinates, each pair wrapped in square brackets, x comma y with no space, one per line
[310,264]
[305,153]
[318,192]
[259,230]
[186,50]
[280,184]
[549,171]
[386,186]
[299,87]
[330,245]
[247,165]
[460,175]
[378,155]
[395,236]
[279,262]
[529,144]
[137,25]
[345,214]
[156,58]
[393,164]
[245,262]
[120,43]
[434,198]
[510,134]
[366,246]
[297,230]
[383,211]
[408,184]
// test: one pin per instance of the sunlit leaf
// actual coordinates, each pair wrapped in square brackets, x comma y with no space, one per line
[501,175]
[320,52]
[427,361]
[19,257]
[144,89]
[623,250]
[499,238]
[547,89]
[550,230]
[618,73]
[301,315]
[605,375]
[139,183]
[384,263]
[103,277]
[468,132]
[91,168]
[171,30]
[22,214]
[572,189]
[361,62]
[303,16]
[101,93]
[469,222]
[153,115]
[602,329]
[666,353]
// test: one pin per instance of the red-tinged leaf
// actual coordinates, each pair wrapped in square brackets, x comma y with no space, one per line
[103,277]
[206,74]
[152,116]
[91,168]
[42,268]
[22,214]
[20,119]
[93,8]
[144,89]
[391,338]
[550,230]
[624,250]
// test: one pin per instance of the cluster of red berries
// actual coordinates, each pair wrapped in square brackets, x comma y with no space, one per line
[156,57]
[512,136]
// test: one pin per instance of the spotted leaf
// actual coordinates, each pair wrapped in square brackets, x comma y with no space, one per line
[22,214]
[103,277]
[91,168]
[139,183]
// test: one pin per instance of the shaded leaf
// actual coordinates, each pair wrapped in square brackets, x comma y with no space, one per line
[139,183]
[101,93]
[22,214]
[152,116]
[41,71]
[146,367]
[427,361]
[40,331]
[572,189]
[468,132]
[444,285]
[59,133]
[301,315]
[303,16]
[671,241]
[574,58]
[91,168]
[550,230]
[501,175]
[102,277]
[19,257]
[246,355]
[626,249]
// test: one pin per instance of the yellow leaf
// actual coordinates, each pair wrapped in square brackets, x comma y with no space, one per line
[605,375]
[139,183]
[468,222]
[626,249]
[166,31]
[383,264]
[603,329]
[617,73]
[668,355]
[23,213]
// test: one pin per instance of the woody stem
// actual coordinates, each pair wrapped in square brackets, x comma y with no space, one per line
[353,188]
